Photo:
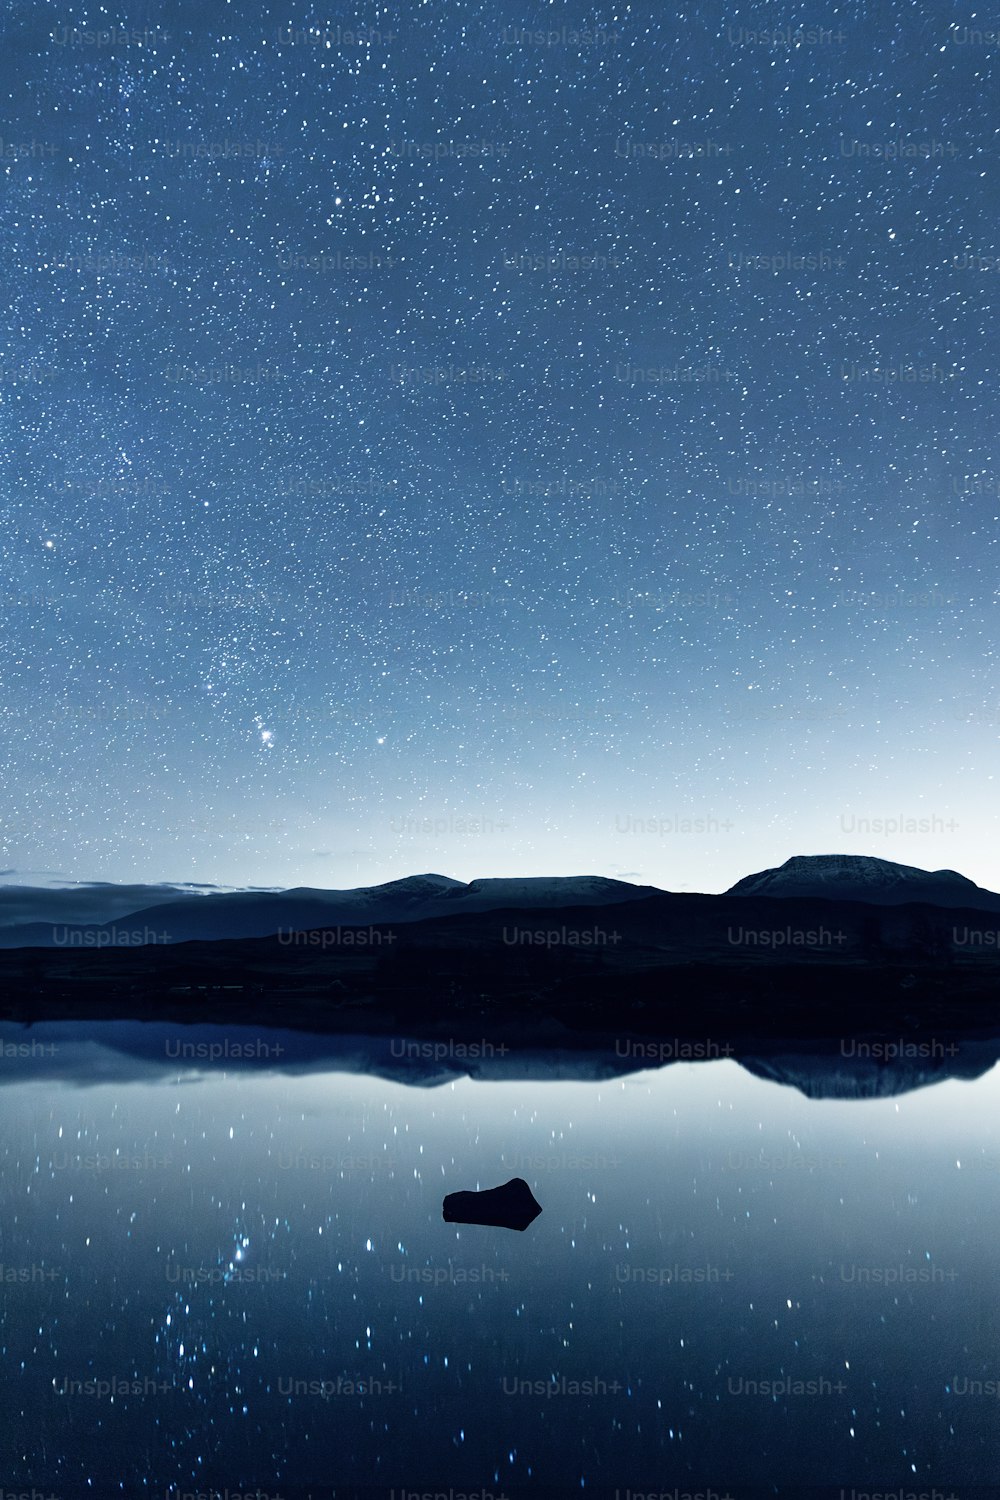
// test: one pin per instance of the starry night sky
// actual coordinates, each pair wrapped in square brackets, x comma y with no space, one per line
[341,492]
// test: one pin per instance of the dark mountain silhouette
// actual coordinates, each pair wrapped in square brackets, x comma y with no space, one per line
[248,914]
[861,877]
[52,918]
[681,965]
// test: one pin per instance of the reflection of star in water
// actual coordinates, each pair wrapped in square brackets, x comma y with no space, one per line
[238,1255]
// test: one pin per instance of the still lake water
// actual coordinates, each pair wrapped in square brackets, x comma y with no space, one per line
[238,1279]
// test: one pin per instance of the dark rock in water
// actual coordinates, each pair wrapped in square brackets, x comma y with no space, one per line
[512,1206]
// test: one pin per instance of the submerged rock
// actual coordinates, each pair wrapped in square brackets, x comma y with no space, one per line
[512,1206]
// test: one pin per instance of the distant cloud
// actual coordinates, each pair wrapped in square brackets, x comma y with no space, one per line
[83,901]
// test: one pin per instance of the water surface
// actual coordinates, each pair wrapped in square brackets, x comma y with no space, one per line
[731,1286]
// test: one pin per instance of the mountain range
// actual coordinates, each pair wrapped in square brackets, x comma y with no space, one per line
[246,914]
[103,915]
[557,962]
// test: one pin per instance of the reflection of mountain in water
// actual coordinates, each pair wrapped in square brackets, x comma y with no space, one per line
[887,1068]
[124,1052]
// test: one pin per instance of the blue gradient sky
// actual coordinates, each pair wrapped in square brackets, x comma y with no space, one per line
[355,525]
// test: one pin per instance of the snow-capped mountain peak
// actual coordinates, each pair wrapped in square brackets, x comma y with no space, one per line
[421,885]
[864,877]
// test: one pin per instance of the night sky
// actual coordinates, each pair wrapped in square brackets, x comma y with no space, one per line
[496,441]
